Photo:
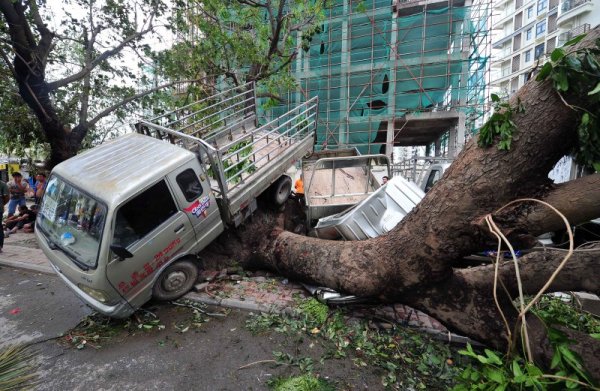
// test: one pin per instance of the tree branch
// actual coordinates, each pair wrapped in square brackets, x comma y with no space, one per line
[46,36]
[102,57]
[265,75]
[578,200]
[252,3]
[7,61]
[112,108]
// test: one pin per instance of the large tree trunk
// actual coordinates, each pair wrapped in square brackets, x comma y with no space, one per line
[414,262]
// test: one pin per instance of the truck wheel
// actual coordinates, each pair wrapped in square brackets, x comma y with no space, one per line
[281,190]
[175,281]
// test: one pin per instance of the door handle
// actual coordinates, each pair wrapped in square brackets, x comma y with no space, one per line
[179,228]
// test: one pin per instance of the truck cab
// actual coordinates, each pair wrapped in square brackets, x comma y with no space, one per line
[111,226]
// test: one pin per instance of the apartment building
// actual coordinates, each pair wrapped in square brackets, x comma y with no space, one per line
[527,30]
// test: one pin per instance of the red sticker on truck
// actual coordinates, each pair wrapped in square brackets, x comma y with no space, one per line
[160,258]
[199,207]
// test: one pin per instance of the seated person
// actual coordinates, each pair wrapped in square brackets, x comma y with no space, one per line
[30,227]
[16,222]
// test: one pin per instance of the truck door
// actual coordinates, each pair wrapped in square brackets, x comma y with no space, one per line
[154,230]
[195,198]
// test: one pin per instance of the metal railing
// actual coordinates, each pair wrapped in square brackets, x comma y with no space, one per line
[227,109]
[570,4]
[259,146]
[232,155]
[567,36]
[414,168]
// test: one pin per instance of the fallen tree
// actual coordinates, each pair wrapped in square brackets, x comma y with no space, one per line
[415,262]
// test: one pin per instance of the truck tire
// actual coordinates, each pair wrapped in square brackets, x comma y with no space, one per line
[175,281]
[280,190]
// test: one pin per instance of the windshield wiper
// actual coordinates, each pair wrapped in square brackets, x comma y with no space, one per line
[54,246]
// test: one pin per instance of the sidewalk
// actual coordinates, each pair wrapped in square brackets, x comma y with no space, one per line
[21,251]
[259,291]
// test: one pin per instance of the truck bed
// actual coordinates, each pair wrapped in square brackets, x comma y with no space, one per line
[333,184]
[242,157]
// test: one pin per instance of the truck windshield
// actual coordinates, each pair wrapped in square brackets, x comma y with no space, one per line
[72,221]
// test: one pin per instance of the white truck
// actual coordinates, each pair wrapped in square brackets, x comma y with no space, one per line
[123,222]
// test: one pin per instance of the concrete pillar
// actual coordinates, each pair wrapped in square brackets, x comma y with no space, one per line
[438,146]
[345,57]
[460,132]
[391,109]
[452,150]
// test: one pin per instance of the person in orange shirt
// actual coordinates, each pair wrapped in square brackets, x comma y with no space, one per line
[299,186]
[299,192]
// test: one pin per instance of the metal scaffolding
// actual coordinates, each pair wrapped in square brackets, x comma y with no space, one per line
[403,74]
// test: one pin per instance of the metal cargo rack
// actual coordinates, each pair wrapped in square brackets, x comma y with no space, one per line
[243,159]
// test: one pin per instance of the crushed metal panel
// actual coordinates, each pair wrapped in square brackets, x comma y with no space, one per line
[376,215]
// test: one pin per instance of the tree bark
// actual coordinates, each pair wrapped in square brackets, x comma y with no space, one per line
[413,263]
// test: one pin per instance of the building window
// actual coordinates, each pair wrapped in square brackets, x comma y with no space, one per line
[529,34]
[528,56]
[539,51]
[530,12]
[540,28]
[542,5]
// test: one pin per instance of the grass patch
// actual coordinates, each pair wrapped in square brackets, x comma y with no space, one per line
[306,382]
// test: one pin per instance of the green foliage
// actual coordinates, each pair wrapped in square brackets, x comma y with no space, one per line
[406,359]
[491,371]
[576,73]
[314,312]
[554,311]
[306,382]
[241,41]
[500,125]
[238,163]
[17,368]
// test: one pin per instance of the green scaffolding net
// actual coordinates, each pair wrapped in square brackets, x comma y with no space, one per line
[373,62]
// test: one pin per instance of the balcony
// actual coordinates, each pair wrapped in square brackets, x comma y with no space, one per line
[567,36]
[571,8]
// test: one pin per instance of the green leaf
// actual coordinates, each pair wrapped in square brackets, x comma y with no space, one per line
[495,98]
[595,90]
[561,82]
[557,54]
[556,359]
[575,40]
[585,118]
[516,368]
[494,359]
[494,375]
[544,72]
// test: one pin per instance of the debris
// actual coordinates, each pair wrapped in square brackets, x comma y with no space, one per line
[201,286]
[15,311]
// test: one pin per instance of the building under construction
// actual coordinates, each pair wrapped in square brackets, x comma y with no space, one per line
[400,73]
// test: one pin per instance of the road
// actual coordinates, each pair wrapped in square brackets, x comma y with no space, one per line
[38,308]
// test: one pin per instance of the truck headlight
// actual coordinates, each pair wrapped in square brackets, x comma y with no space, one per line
[94,293]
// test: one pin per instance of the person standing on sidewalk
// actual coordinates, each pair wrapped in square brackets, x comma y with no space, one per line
[4,197]
[17,188]
[40,187]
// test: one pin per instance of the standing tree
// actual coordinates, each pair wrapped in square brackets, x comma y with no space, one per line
[242,40]
[77,73]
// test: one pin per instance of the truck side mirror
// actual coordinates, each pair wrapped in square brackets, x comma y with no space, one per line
[121,251]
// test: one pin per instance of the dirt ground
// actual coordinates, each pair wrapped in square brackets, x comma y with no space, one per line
[220,354]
